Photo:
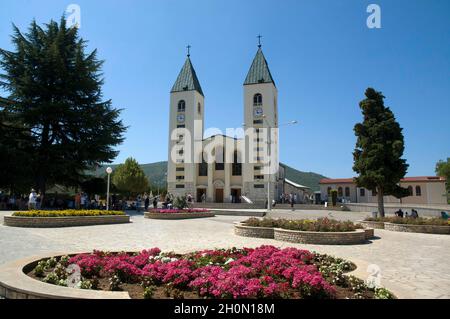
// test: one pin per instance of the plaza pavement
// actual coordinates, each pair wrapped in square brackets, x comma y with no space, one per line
[413,265]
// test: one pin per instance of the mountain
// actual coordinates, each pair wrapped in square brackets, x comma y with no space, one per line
[156,172]
[309,179]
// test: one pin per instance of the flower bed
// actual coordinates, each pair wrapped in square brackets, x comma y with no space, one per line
[65,218]
[264,272]
[322,231]
[67,213]
[411,225]
[371,224]
[319,225]
[178,213]
[410,221]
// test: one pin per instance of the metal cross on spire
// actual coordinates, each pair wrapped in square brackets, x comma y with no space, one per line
[259,40]
[188,50]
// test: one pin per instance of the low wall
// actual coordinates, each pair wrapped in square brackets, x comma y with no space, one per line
[390,208]
[371,224]
[258,232]
[321,238]
[177,215]
[427,229]
[305,237]
[72,221]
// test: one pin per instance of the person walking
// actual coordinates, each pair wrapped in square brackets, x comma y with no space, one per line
[291,198]
[32,200]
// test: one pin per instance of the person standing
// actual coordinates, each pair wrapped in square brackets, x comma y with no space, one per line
[32,200]
[155,202]
[146,201]
[203,198]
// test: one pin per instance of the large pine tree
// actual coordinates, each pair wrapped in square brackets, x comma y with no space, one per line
[379,150]
[56,89]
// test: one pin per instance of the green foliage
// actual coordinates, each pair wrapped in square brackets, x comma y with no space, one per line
[443,170]
[129,178]
[94,185]
[379,149]
[61,127]
[410,221]
[181,202]
[383,293]
[149,292]
[319,225]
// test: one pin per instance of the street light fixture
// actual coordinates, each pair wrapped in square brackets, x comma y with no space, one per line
[269,153]
[109,170]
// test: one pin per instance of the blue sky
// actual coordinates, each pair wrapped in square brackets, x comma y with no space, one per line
[321,55]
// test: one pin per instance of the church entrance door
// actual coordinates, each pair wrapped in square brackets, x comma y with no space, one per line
[235,195]
[219,195]
[200,192]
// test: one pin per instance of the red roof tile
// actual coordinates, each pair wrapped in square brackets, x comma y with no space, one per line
[405,180]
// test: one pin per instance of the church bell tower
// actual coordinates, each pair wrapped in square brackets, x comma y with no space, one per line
[185,129]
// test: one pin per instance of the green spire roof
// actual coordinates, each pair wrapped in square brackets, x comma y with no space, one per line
[259,71]
[187,79]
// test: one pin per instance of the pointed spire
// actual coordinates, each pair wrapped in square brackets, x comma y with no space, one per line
[187,79]
[259,71]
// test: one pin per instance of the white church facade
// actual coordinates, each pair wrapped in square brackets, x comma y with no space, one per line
[223,168]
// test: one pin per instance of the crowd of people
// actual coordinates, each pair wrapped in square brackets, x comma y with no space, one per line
[414,214]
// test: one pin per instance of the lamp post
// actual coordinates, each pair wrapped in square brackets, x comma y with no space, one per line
[109,170]
[269,153]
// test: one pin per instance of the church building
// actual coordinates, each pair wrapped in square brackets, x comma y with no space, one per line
[223,168]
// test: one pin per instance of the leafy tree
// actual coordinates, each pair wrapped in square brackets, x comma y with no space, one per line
[129,178]
[443,169]
[14,160]
[56,89]
[379,150]
[94,185]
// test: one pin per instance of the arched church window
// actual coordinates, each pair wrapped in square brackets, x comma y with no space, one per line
[181,106]
[418,191]
[199,108]
[220,165]
[257,100]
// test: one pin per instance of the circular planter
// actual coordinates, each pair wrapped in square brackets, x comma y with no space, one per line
[177,215]
[258,232]
[426,229]
[72,221]
[371,224]
[15,284]
[321,238]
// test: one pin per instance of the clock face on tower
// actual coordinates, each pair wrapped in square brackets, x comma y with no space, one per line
[180,118]
[258,111]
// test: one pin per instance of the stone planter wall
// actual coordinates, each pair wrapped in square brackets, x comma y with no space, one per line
[72,221]
[370,233]
[427,229]
[258,232]
[305,237]
[321,238]
[371,224]
[177,215]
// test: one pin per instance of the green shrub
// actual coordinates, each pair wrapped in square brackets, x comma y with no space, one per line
[149,292]
[410,221]
[383,293]
[319,225]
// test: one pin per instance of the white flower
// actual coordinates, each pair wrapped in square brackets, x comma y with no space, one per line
[229,261]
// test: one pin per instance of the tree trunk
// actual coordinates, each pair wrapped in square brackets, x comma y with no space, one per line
[380,202]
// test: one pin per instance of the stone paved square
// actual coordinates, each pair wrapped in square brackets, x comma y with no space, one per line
[412,265]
